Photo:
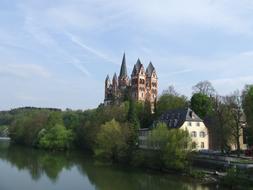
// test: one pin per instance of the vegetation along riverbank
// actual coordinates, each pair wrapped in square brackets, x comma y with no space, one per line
[110,132]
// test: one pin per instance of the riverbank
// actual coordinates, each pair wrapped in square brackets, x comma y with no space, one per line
[39,169]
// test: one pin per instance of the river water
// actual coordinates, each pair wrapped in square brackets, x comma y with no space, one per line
[23,168]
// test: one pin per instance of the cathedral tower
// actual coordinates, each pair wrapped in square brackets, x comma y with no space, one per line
[138,82]
[151,85]
[123,77]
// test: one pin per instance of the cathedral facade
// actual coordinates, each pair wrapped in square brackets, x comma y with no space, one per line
[142,86]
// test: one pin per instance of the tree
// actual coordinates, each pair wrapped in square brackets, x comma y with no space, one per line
[234,103]
[247,103]
[112,141]
[54,118]
[220,125]
[147,116]
[56,138]
[201,104]
[173,146]
[204,87]
[171,90]
[132,115]
[169,101]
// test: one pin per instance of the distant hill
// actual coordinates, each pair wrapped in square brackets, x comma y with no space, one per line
[6,117]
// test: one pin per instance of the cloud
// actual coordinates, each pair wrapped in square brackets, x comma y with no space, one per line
[24,70]
[95,52]
[78,65]
[176,73]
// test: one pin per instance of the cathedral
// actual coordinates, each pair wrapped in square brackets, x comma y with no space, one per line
[142,86]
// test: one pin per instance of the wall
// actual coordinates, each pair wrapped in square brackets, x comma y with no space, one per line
[198,140]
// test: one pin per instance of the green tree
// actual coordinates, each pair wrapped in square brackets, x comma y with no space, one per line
[172,145]
[26,126]
[170,101]
[132,115]
[201,104]
[56,138]
[112,141]
[247,103]
[54,118]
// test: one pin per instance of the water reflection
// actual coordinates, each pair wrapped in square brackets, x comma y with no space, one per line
[99,176]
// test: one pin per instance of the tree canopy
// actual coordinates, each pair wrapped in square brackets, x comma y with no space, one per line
[201,104]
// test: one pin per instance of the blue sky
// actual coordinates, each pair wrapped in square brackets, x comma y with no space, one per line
[58,53]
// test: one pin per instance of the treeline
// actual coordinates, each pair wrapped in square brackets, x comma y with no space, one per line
[228,118]
[111,131]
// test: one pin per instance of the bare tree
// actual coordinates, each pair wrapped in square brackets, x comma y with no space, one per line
[220,129]
[204,87]
[234,103]
[171,90]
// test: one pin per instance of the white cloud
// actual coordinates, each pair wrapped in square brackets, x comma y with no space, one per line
[95,52]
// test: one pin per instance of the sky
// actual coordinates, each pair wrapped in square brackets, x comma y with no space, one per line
[58,53]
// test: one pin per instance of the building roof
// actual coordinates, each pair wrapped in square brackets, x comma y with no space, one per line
[150,69]
[123,69]
[107,79]
[176,118]
[115,77]
[137,67]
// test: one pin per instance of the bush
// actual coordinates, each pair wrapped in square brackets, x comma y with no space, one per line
[56,138]
[172,146]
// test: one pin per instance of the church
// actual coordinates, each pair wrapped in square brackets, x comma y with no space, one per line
[142,86]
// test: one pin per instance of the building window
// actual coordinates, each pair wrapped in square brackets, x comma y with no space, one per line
[175,122]
[189,123]
[202,134]
[202,145]
[198,124]
[193,134]
[194,145]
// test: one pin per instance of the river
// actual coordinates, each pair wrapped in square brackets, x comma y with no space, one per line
[23,168]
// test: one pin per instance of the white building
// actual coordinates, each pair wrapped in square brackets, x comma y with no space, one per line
[183,119]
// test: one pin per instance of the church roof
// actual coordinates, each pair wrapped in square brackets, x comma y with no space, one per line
[175,118]
[150,69]
[137,67]
[123,69]
[115,77]
[107,78]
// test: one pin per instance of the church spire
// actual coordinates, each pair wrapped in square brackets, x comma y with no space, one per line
[123,69]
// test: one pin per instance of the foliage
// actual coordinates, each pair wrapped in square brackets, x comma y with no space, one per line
[132,115]
[26,126]
[56,138]
[170,101]
[234,103]
[236,179]
[112,141]
[219,126]
[247,99]
[173,146]
[201,104]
